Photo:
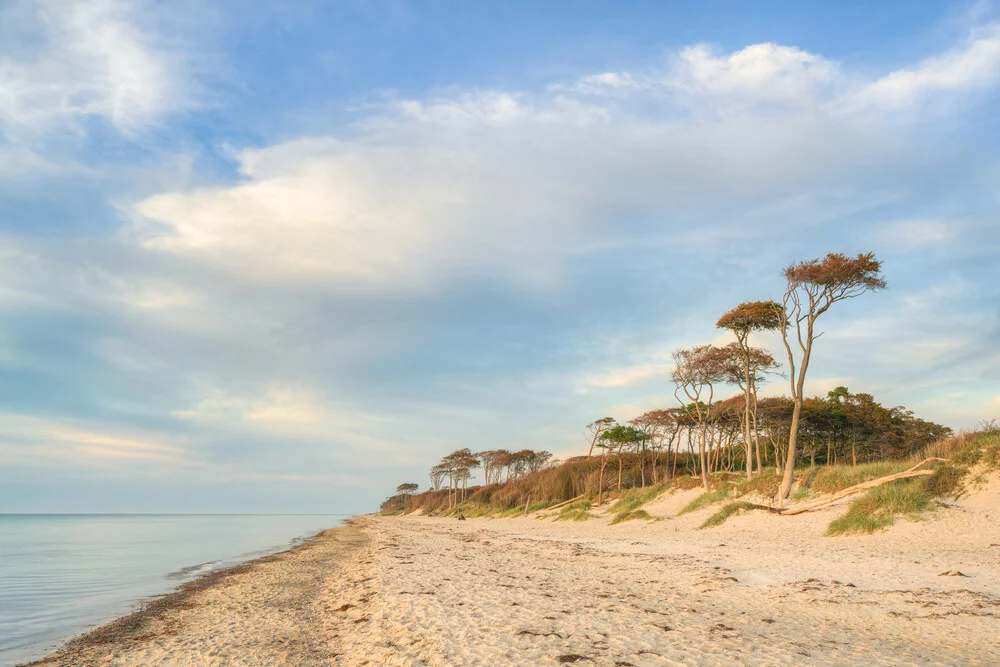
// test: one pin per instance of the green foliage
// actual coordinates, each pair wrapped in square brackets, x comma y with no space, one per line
[878,508]
[704,499]
[630,515]
[727,511]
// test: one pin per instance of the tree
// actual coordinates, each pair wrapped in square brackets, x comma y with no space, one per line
[492,464]
[458,467]
[696,371]
[812,288]
[596,428]
[438,473]
[613,440]
[745,318]
[407,489]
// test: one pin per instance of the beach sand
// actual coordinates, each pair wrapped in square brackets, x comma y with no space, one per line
[761,589]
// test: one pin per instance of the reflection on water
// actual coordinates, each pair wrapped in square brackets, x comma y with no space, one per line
[63,573]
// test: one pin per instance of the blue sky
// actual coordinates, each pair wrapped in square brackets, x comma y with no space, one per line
[282,258]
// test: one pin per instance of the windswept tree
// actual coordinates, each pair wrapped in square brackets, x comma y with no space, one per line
[458,467]
[535,461]
[438,475]
[612,442]
[595,429]
[491,460]
[696,372]
[743,320]
[407,489]
[812,288]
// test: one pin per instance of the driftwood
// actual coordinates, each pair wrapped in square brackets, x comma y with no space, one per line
[850,491]
[565,502]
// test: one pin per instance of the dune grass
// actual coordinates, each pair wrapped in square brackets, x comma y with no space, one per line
[578,511]
[631,515]
[878,508]
[831,479]
[634,498]
[720,517]
[705,499]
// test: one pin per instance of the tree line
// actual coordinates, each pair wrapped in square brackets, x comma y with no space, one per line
[703,434]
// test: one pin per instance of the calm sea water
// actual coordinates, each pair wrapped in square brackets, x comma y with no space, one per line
[63,573]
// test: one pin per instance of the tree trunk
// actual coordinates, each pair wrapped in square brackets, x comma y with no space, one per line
[600,483]
[786,479]
[702,459]
[619,470]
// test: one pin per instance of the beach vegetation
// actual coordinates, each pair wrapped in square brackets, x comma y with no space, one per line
[630,515]
[705,499]
[728,510]
[879,507]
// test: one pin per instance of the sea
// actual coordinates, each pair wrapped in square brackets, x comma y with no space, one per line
[62,574]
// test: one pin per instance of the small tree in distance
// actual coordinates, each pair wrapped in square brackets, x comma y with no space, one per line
[407,489]
[696,372]
[595,429]
[742,320]
[812,287]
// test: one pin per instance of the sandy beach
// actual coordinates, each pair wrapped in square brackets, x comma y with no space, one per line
[761,589]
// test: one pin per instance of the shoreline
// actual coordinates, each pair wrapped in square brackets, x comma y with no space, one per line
[415,590]
[154,617]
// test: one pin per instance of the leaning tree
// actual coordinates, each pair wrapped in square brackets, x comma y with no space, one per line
[812,288]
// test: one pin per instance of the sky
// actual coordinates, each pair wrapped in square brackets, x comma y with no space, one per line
[281,257]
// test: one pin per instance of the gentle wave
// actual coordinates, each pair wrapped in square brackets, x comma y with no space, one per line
[63,574]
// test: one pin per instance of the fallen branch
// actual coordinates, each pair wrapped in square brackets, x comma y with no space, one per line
[850,491]
[566,502]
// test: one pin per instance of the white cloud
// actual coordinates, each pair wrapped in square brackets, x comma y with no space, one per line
[764,71]
[510,183]
[30,440]
[91,59]
[630,375]
[973,66]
